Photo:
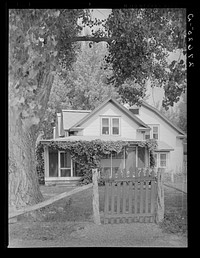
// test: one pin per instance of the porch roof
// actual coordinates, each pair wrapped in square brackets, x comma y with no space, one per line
[91,138]
[162,146]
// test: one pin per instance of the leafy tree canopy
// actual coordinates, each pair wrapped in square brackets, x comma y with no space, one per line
[140,41]
[38,48]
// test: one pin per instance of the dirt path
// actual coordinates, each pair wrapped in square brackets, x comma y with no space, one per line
[87,234]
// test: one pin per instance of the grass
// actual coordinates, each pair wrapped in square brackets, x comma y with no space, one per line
[175,217]
[78,208]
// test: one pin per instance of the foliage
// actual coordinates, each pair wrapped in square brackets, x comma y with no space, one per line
[177,115]
[151,145]
[175,217]
[40,165]
[83,87]
[141,40]
[36,49]
[87,154]
[86,85]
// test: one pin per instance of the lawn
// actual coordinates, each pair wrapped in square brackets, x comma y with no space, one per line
[69,222]
[175,218]
[78,208]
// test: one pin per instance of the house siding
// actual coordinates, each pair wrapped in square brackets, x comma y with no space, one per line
[128,126]
[166,134]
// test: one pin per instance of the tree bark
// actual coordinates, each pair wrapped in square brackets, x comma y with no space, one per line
[93,39]
[23,181]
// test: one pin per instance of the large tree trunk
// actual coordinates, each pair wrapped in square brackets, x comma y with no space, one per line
[23,181]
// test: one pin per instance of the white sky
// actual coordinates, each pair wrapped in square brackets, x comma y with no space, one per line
[101,13]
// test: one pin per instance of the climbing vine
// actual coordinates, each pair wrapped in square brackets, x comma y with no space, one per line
[87,154]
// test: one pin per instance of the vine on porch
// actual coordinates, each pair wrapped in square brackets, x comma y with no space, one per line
[87,154]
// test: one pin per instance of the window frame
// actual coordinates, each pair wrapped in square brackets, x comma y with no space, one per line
[158,164]
[110,123]
[102,125]
[59,166]
[151,131]
[165,160]
[155,126]
[113,126]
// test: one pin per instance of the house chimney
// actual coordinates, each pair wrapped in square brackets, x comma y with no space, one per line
[134,110]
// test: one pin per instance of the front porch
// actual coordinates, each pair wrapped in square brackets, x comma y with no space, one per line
[59,168]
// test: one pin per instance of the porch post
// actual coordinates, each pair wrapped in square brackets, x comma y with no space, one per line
[46,161]
[147,158]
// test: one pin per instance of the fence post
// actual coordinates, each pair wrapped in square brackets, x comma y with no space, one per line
[160,196]
[95,199]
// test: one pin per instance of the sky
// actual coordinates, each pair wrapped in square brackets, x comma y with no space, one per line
[101,13]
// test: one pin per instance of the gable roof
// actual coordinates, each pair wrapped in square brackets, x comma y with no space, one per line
[163,117]
[122,108]
[71,117]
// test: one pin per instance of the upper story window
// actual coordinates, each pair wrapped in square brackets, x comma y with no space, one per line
[110,125]
[115,126]
[105,126]
[153,133]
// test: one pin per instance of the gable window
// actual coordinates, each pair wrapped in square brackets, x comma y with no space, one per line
[105,126]
[115,126]
[110,126]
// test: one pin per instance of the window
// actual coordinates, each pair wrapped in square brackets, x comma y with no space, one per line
[65,164]
[53,163]
[155,132]
[105,126]
[147,135]
[110,125]
[115,126]
[112,164]
[163,160]
[160,160]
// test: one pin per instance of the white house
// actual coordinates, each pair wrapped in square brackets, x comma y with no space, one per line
[111,121]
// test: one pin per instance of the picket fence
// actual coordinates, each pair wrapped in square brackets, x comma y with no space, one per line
[130,196]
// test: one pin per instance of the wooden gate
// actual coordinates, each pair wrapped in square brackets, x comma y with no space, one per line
[131,196]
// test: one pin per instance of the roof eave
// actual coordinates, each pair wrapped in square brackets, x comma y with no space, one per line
[135,118]
[163,117]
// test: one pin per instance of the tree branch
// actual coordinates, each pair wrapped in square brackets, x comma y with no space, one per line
[89,38]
